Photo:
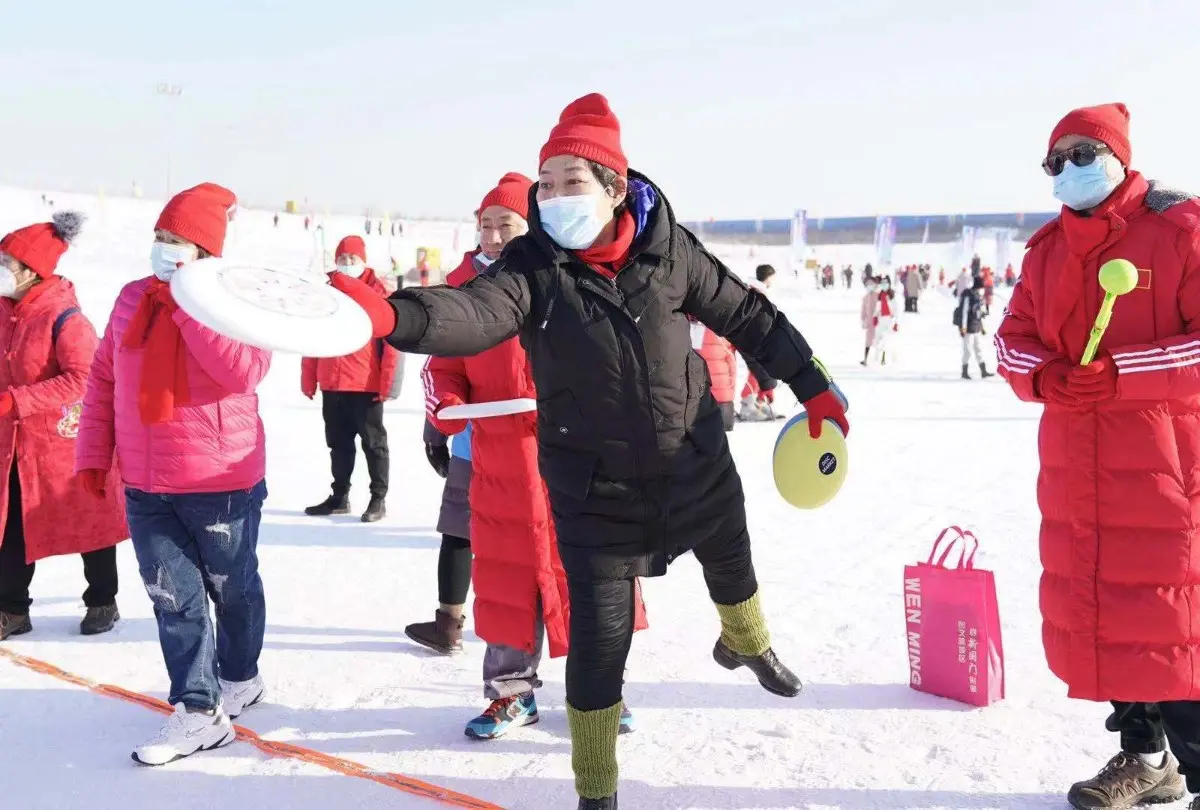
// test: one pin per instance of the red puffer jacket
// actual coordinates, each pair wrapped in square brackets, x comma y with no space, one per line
[721,358]
[47,373]
[512,534]
[1119,488]
[371,368]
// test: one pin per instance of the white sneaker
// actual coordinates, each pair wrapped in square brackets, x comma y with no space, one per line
[184,734]
[238,696]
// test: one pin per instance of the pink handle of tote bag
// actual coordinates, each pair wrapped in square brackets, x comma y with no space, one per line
[965,561]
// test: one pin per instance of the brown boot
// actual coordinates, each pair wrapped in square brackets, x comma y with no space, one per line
[442,635]
[1127,781]
[14,624]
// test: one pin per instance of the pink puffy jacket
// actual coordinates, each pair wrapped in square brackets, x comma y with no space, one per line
[214,443]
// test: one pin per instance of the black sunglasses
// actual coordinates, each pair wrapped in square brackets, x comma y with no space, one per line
[1083,154]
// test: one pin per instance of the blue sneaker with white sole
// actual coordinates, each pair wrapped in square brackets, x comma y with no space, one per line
[627,724]
[504,714]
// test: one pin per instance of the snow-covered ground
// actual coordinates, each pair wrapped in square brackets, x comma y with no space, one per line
[927,450]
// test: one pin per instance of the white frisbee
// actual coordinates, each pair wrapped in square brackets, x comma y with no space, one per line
[271,309]
[477,410]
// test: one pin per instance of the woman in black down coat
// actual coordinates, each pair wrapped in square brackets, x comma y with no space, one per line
[631,442]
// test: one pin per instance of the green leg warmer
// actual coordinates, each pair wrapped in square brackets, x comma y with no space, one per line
[743,628]
[594,750]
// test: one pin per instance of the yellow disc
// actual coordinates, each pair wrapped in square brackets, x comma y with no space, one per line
[809,472]
[1118,276]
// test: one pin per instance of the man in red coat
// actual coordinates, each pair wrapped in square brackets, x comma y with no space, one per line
[354,389]
[520,585]
[1120,453]
[47,346]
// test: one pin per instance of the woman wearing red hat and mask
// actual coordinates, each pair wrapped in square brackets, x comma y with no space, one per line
[175,402]
[520,586]
[1118,446]
[631,443]
[48,346]
[354,389]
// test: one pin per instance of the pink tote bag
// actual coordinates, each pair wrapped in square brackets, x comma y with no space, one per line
[952,624]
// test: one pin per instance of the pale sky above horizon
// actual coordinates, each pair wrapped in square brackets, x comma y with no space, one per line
[736,109]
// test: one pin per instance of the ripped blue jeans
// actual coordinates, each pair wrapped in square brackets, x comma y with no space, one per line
[191,548]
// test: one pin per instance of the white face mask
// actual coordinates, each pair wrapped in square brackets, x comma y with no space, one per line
[8,283]
[354,270]
[484,260]
[572,222]
[166,259]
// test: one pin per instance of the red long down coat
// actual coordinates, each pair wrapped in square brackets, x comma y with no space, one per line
[516,558]
[1119,488]
[47,378]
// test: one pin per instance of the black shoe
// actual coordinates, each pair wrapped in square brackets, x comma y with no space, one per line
[983,372]
[771,673]
[598,804]
[375,510]
[14,624]
[966,372]
[333,505]
[99,620]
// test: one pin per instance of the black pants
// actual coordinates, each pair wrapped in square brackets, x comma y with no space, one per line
[602,619]
[454,570]
[99,567]
[349,415]
[1147,728]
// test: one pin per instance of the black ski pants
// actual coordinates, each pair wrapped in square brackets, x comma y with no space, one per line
[350,415]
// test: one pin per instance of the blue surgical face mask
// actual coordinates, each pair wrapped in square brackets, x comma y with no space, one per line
[165,259]
[572,222]
[1083,187]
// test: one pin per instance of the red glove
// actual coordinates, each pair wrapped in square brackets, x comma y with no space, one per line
[826,405]
[93,482]
[6,404]
[895,327]
[767,396]
[1050,383]
[309,392]
[381,313]
[1095,382]
[875,321]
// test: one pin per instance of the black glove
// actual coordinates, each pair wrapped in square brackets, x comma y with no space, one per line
[439,458]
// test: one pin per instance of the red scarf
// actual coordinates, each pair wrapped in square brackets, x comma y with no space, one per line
[607,260]
[164,361]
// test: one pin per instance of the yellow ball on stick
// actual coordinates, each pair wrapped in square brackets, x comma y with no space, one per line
[1117,277]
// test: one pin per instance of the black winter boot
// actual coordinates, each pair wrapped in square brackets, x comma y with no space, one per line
[983,372]
[442,635]
[770,671]
[966,372]
[99,620]
[375,510]
[14,624]
[333,505]
[598,804]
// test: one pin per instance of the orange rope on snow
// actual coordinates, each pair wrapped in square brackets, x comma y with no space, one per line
[405,784]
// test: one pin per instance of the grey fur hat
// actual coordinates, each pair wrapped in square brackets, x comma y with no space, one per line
[68,224]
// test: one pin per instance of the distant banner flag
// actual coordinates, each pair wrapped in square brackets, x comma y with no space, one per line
[925,236]
[799,237]
[1004,240]
[969,236]
[885,238]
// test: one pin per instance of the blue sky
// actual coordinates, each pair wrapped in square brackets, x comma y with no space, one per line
[737,109]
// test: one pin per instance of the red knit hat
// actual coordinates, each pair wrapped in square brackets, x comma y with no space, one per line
[39,247]
[1108,123]
[352,246]
[512,192]
[200,215]
[588,129]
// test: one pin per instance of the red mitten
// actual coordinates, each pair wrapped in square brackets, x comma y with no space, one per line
[1095,382]
[826,405]
[1050,383]
[895,327]
[6,404]
[448,427]
[767,396]
[378,309]
[93,481]
[875,321]
[309,392]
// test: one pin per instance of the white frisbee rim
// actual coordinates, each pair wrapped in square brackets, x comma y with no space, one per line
[482,410]
[198,289]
